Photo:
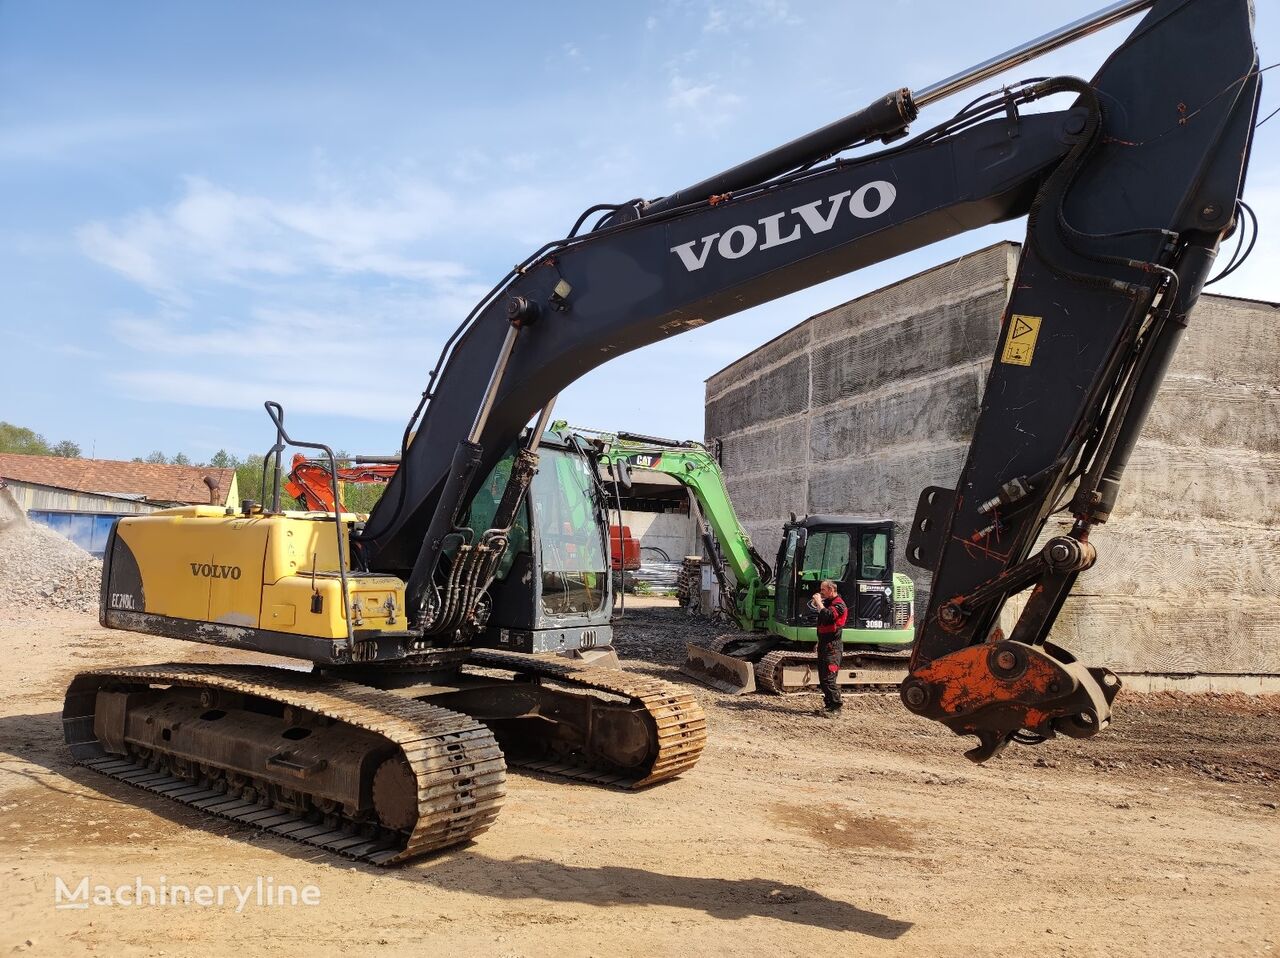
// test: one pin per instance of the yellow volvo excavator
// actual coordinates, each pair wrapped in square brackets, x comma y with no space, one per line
[396,742]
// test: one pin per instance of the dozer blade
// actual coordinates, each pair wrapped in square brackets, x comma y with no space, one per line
[720,671]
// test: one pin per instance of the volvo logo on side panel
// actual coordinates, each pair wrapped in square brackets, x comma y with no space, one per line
[866,202]
[206,570]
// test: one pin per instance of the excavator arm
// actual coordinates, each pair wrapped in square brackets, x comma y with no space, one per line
[697,470]
[1128,190]
[311,483]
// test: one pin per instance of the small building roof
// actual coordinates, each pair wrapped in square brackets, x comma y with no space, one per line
[150,481]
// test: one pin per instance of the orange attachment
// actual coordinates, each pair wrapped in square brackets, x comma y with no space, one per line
[310,482]
[967,682]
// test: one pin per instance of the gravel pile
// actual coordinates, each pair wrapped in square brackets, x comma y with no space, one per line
[40,569]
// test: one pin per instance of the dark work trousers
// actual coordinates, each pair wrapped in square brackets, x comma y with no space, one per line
[830,651]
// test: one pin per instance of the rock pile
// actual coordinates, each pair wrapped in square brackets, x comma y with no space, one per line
[40,569]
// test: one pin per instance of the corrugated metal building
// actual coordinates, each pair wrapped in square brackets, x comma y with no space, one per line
[81,498]
[856,409]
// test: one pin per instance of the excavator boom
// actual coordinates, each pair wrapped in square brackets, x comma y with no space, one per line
[777,652]
[1128,191]
[311,482]
[724,536]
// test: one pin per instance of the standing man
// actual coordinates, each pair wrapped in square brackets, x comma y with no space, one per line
[832,615]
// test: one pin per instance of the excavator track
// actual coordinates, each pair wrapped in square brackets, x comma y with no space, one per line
[769,671]
[860,671]
[676,724]
[441,782]
[718,643]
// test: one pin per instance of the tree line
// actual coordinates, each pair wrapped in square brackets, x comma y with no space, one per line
[28,442]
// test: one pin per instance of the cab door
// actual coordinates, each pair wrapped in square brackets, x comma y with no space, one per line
[826,555]
[791,550]
[872,607]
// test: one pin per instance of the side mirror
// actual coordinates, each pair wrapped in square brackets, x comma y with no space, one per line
[622,474]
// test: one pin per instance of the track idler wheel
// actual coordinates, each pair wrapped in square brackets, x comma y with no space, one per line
[395,794]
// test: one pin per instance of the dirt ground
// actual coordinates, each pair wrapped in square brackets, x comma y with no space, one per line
[796,834]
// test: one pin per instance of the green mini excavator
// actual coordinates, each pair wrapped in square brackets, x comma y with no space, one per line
[777,655]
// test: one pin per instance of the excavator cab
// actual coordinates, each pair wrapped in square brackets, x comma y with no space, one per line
[553,589]
[856,554]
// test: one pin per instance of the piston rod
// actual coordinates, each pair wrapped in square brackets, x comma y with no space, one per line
[886,118]
[495,380]
[539,427]
[1073,31]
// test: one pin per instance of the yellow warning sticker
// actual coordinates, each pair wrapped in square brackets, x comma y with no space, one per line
[1020,345]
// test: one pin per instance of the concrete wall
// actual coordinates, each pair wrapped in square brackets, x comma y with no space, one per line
[858,408]
[672,532]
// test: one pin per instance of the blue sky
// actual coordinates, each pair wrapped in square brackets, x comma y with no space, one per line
[209,205]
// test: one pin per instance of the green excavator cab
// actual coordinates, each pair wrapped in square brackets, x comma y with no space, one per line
[856,554]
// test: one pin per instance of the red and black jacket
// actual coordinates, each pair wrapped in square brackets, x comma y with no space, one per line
[832,617]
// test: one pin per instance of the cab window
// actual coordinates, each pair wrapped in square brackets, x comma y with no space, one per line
[875,555]
[571,542]
[826,556]
[786,573]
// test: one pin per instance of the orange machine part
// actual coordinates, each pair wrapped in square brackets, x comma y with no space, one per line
[309,481]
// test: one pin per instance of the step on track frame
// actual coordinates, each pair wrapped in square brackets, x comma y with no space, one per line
[859,671]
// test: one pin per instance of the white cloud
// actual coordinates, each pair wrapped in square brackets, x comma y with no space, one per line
[767,12]
[366,359]
[131,259]
[702,100]
[214,234]
[374,401]
[700,103]
[748,15]
[716,21]
[686,95]
[260,296]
